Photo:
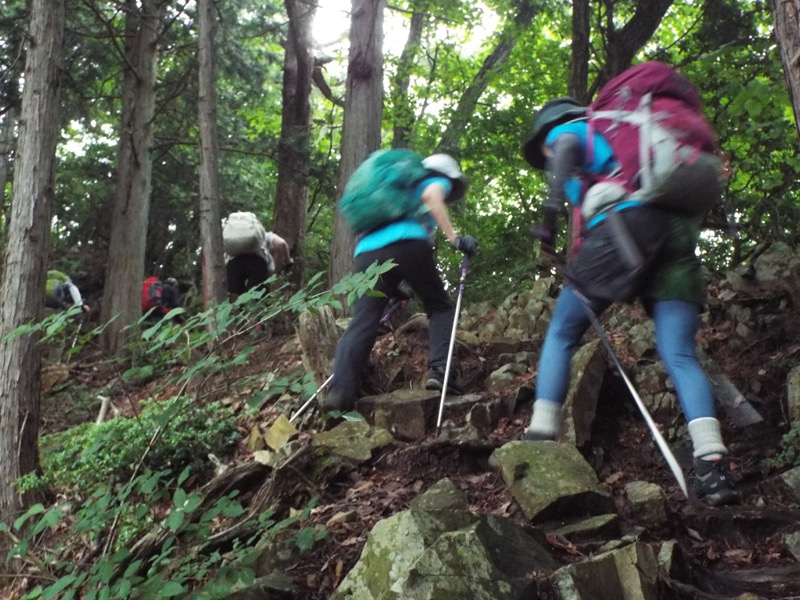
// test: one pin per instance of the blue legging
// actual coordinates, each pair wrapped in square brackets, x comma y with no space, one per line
[676,328]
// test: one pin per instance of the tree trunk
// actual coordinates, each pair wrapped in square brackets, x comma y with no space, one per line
[214,284]
[489,70]
[787,34]
[23,283]
[318,334]
[581,51]
[294,159]
[125,269]
[6,150]
[401,105]
[623,44]
[363,108]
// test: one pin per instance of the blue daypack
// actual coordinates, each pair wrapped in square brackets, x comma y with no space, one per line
[382,189]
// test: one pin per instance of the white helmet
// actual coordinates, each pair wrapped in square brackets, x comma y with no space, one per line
[448,166]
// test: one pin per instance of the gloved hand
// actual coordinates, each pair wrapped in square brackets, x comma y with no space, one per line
[467,245]
[546,232]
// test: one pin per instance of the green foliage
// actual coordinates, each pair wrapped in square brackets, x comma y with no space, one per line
[182,560]
[725,46]
[146,533]
[89,455]
[790,450]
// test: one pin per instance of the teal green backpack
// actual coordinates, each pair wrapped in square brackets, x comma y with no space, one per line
[382,189]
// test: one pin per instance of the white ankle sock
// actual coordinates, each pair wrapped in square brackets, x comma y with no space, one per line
[707,438]
[546,419]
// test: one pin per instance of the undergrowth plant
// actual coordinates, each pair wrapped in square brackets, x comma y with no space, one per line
[132,526]
[89,455]
[178,558]
[789,454]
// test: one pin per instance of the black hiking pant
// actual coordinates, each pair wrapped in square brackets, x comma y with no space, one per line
[415,263]
[246,271]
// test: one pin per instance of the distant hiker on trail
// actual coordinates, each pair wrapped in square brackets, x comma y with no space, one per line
[252,254]
[160,297]
[421,189]
[61,293]
[638,239]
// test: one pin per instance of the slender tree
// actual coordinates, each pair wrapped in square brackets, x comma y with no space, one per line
[581,51]
[23,282]
[125,267]
[622,43]
[294,159]
[363,109]
[7,124]
[401,101]
[787,33]
[214,286]
[451,138]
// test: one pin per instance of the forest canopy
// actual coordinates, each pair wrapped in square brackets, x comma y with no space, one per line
[440,59]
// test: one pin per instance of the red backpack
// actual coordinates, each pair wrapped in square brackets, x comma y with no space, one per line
[151,293]
[652,117]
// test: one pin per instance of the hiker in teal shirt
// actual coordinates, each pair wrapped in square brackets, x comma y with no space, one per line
[407,242]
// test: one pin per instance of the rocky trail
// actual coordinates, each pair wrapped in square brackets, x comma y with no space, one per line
[372,475]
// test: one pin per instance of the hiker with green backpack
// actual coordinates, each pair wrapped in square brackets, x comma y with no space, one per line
[61,293]
[394,201]
[640,168]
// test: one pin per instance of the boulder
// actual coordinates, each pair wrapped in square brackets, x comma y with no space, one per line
[630,573]
[549,480]
[354,440]
[647,503]
[408,414]
[438,551]
[580,406]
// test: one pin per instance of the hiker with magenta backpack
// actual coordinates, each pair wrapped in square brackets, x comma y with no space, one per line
[395,200]
[639,168]
[252,254]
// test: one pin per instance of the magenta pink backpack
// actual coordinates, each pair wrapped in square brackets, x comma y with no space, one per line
[652,117]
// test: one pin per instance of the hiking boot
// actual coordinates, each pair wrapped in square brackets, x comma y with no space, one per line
[712,482]
[436,382]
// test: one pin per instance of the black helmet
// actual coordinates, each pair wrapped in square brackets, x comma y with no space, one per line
[448,166]
[554,112]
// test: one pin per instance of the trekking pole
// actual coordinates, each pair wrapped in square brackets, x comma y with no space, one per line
[302,409]
[464,265]
[394,305]
[75,337]
[660,441]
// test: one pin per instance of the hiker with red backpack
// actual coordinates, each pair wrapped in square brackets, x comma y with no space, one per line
[252,254]
[159,297]
[639,168]
[414,193]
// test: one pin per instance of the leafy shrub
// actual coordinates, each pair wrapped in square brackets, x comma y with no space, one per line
[89,455]
[790,450]
[125,469]
[184,561]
